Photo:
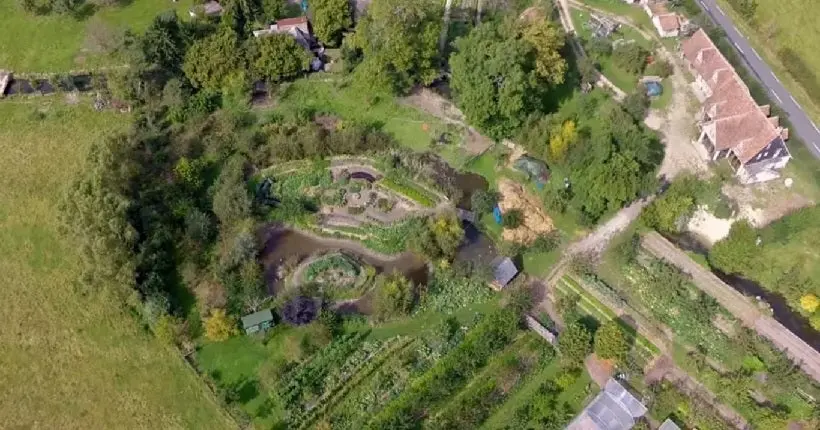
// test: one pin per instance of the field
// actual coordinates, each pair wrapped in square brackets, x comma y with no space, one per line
[54,43]
[782,26]
[72,360]
[410,365]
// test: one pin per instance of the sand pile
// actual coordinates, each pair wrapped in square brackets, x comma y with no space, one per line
[536,222]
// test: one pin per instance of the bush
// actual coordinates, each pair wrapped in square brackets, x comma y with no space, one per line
[660,68]
[513,218]
[630,57]
[546,242]
[611,341]
[574,343]
[482,201]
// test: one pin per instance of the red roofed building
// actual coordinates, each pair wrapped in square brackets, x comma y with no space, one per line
[732,125]
[668,24]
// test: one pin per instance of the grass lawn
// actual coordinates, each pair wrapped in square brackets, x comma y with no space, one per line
[620,8]
[662,101]
[418,323]
[411,127]
[72,360]
[54,43]
[622,79]
[786,24]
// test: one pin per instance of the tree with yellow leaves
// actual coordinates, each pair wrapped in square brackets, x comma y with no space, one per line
[547,39]
[219,326]
[809,303]
[561,137]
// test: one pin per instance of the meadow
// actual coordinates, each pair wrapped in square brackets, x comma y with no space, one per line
[73,358]
[57,43]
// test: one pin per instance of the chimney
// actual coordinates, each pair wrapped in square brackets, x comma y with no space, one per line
[775,121]
[766,109]
[784,133]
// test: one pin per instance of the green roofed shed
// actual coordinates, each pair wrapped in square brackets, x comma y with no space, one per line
[257,321]
[535,169]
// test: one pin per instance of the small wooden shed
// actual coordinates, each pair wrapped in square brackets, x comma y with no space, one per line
[257,321]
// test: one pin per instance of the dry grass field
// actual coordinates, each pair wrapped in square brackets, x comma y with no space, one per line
[68,360]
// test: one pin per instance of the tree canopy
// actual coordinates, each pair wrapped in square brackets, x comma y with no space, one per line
[611,342]
[574,343]
[329,19]
[278,57]
[210,61]
[395,296]
[494,80]
[399,43]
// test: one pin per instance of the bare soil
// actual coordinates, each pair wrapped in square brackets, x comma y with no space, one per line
[536,222]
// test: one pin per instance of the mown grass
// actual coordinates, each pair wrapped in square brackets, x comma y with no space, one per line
[72,360]
[54,43]
[325,93]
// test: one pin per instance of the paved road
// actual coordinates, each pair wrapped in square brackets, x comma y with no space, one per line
[801,124]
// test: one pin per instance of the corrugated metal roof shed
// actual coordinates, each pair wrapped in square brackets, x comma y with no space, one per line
[614,408]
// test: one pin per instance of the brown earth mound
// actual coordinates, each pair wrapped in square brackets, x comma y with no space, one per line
[536,222]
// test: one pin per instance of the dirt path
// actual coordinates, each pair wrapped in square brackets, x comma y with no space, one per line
[664,368]
[801,353]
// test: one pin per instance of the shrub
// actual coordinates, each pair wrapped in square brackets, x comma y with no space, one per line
[482,201]
[219,326]
[630,57]
[660,68]
[513,218]
[574,343]
[546,242]
[611,341]
[395,296]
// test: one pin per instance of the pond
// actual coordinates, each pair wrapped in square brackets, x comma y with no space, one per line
[781,310]
[469,183]
[281,244]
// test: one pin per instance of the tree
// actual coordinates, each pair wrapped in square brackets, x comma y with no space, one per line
[211,60]
[737,252]
[561,137]
[447,232]
[399,43]
[241,15]
[231,201]
[279,56]
[630,57]
[483,201]
[809,303]
[513,218]
[637,103]
[167,329]
[330,18]
[588,70]
[660,67]
[599,47]
[394,296]
[163,44]
[493,79]
[611,342]
[547,39]
[219,326]
[574,343]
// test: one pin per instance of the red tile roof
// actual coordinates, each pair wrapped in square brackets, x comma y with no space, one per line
[740,124]
[292,21]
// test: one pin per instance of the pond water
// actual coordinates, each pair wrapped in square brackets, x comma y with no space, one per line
[784,314]
[281,244]
[469,183]
[477,247]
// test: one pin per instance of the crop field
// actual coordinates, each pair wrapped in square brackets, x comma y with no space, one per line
[57,43]
[384,375]
[72,360]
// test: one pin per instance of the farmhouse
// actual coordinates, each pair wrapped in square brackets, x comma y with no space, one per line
[210,8]
[731,124]
[614,408]
[667,23]
[257,321]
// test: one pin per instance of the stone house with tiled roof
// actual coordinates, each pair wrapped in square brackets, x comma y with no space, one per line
[668,24]
[731,123]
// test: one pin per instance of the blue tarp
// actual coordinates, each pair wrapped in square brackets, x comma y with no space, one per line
[497,214]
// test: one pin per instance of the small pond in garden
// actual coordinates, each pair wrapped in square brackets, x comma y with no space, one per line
[469,183]
[781,310]
[281,244]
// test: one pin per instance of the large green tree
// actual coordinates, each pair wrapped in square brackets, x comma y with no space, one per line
[399,43]
[394,296]
[574,343]
[211,60]
[494,80]
[163,43]
[737,252]
[329,19]
[279,57]
[547,39]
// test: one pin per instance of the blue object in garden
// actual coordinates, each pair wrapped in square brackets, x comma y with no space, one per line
[497,214]
[654,89]
[304,6]
[539,185]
